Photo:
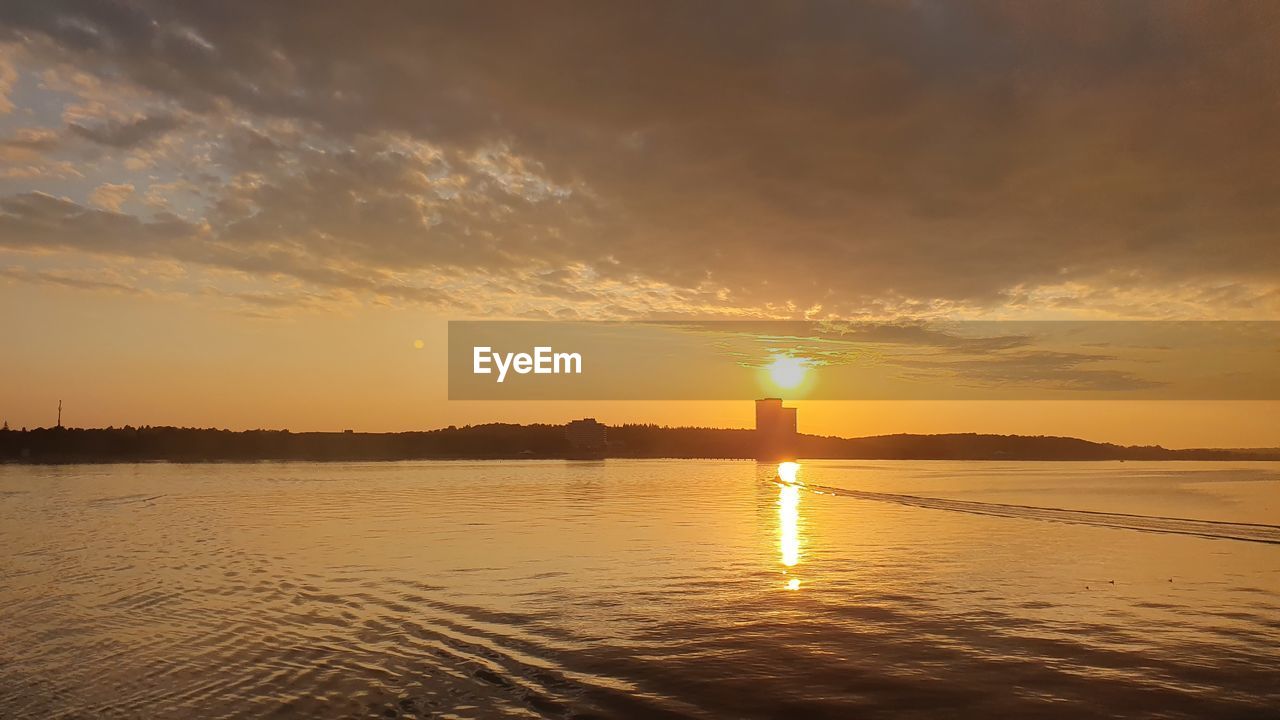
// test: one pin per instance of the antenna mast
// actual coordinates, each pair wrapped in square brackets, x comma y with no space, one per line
[59,413]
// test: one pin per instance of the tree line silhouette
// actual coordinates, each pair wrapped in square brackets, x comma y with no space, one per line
[510,441]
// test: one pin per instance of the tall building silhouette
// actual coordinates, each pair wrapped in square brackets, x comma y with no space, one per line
[587,438]
[775,430]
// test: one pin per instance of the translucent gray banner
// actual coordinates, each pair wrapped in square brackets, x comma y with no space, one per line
[825,360]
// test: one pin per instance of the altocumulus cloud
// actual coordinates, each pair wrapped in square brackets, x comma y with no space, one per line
[671,158]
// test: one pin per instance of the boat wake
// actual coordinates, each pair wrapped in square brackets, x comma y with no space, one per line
[1248,532]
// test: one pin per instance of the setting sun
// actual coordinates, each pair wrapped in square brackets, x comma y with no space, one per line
[787,371]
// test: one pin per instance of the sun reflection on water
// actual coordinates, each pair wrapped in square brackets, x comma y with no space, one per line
[788,523]
[787,472]
[789,519]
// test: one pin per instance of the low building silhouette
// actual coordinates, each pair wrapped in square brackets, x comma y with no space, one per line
[776,437]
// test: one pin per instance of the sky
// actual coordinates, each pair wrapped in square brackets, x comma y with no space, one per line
[252,214]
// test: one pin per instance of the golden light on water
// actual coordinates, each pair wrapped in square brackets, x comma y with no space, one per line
[787,472]
[786,371]
[789,519]
[789,524]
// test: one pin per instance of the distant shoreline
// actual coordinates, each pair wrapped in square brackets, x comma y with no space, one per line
[582,461]
[500,441]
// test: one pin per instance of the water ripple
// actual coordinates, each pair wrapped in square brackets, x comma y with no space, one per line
[642,589]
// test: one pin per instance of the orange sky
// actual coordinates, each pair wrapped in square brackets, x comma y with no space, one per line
[182,364]
[218,216]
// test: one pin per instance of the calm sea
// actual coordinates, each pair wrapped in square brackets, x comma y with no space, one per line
[640,589]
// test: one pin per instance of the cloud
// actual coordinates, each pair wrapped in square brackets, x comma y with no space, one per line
[27,154]
[77,280]
[8,78]
[110,196]
[782,160]
[31,140]
[40,222]
[1040,369]
[126,134]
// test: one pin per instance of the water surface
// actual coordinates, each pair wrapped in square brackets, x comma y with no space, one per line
[639,589]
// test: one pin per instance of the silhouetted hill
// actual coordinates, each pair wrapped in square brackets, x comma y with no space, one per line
[501,440]
[973,446]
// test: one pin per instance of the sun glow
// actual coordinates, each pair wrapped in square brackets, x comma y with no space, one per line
[786,371]
[787,472]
